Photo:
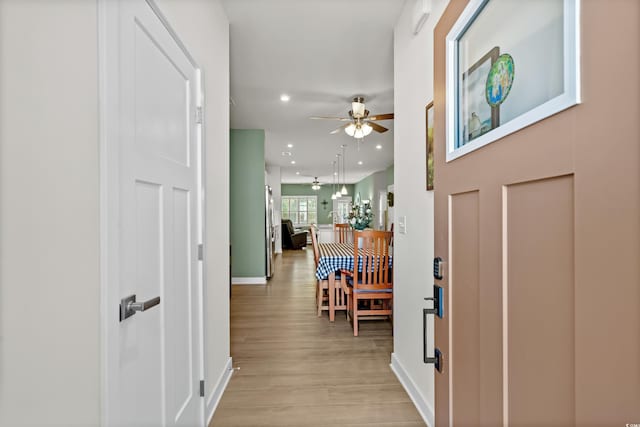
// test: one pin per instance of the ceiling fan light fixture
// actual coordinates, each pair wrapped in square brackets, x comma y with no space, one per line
[362,131]
[315,185]
[357,107]
[350,130]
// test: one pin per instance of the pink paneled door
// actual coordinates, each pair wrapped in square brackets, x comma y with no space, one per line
[540,238]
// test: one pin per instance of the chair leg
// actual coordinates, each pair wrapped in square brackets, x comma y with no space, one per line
[349,301]
[319,297]
[355,318]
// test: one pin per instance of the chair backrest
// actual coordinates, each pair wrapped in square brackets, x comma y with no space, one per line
[342,233]
[314,243]
[371,252]
[288,225]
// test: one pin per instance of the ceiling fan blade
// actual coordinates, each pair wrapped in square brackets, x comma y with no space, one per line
[377,127]
[387,116]
[342,119]
[333,132]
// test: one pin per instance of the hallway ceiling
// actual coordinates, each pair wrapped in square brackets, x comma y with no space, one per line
[321,53]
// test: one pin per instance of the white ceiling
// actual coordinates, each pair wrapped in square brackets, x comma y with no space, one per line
[321,53]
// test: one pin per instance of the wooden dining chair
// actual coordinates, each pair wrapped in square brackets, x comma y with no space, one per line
[342,233]
[322,286]
[369,289]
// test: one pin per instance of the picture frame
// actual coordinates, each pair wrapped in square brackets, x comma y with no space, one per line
[477,116]
[430,171]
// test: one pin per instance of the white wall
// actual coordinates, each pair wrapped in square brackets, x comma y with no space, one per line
[49,214]
[413,251]
[49,204]
[203,27]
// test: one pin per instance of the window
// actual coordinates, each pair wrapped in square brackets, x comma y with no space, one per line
[301,210]
[509,65]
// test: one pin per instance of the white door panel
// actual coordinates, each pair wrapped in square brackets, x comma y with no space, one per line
[141,371]
[155,381]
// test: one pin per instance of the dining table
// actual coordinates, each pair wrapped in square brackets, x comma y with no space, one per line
[333,258]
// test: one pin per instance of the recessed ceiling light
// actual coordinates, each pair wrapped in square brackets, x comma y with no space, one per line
[286,153]
[293,162]
[297,173]
[360,162]
[284,97]
[378,147]
[290,145]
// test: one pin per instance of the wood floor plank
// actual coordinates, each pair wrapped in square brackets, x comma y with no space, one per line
[296,369]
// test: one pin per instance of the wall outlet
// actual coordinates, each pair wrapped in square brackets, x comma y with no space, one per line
[402,224]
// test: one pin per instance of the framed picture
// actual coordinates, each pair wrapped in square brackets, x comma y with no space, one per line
[429,136]
[477,117]
[508,65]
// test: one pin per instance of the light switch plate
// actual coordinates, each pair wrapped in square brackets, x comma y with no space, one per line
[402,224]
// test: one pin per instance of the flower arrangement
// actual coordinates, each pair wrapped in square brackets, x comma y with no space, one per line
[360,217]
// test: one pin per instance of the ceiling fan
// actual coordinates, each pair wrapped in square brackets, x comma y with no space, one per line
[360,123]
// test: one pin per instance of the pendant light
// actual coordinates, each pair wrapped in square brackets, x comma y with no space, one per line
[333,186]
[344,191]
[338,193]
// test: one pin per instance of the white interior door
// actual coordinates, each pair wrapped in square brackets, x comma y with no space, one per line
[154,364]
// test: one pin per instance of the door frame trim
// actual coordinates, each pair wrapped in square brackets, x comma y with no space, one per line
[108,64]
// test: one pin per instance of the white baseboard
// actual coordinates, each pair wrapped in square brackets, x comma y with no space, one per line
[216,392]
[249,280]
[423,407]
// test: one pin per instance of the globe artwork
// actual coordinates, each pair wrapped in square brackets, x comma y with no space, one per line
[499,80]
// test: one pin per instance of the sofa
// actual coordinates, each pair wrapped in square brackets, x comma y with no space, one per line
[292,239]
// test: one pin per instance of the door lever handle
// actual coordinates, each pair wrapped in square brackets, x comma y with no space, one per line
[437,357]
[129,306]
[143,306]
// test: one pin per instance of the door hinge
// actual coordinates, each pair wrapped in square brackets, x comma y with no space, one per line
[201,388]
[200,252]
[199,115]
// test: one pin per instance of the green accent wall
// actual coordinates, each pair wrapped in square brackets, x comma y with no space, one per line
[246,181]
[323,194]
[389,172]
[366,188]
[370,187]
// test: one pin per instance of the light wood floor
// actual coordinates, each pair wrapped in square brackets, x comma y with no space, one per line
[296,369]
